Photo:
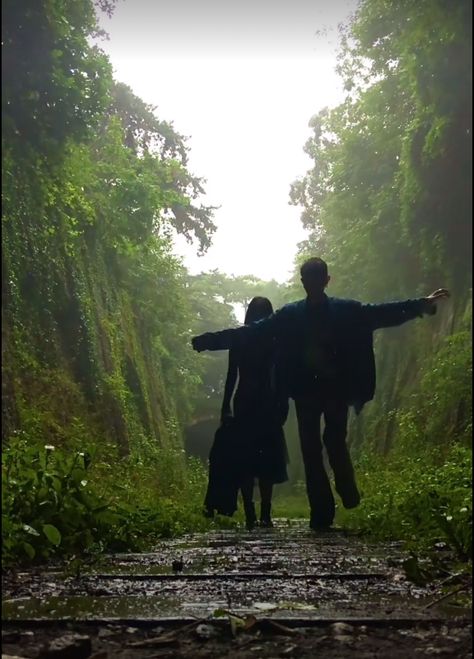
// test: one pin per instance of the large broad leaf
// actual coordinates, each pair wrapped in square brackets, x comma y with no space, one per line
[52,533]
[29,550]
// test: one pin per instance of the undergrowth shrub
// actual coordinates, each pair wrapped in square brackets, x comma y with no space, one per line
[423,498]
[56,503]
[420,491]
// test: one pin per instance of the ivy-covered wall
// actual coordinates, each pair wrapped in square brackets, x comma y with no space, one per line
[96,324]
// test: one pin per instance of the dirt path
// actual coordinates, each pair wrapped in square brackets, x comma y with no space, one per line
[271,593]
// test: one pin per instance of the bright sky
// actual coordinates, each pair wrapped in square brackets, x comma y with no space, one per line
[242,79]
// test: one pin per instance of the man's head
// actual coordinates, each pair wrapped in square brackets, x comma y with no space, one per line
[314,276]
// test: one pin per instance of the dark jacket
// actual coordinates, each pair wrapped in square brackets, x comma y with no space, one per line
[351,327]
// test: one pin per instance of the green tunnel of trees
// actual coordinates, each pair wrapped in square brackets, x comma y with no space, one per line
[98,312]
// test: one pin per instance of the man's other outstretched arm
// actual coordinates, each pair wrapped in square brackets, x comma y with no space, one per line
[391,314]
[232,338]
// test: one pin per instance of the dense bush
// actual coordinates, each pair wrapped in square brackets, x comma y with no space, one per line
[59,504]
[423,498]
[421,489]
[387,202]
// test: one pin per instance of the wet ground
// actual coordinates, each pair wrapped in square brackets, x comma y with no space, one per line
[276,592]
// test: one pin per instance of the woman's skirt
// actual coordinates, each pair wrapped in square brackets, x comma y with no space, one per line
[260,438]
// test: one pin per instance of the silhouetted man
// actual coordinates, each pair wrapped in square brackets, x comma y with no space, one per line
[325,363]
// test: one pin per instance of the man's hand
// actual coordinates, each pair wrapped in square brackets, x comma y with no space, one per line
[439,294]
[201,342]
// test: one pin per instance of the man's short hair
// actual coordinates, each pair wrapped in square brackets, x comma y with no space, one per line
[314,268]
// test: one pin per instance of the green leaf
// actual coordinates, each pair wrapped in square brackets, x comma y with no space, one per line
[29,549]
[52,533]
[220,613]
[57,485]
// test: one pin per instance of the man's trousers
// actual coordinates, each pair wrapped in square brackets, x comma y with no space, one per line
[310,407]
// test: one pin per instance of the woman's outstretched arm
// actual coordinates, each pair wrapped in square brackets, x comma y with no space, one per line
[231,338]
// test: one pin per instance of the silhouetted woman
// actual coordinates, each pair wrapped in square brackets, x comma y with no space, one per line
[259,415]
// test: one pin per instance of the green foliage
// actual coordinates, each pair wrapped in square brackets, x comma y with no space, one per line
[423,498]
[59,504]
[441,407]
[96,319]
[420,490]
[387,203]
[54,85]
[97,312]
[99,190]
[392,164]
[47,502]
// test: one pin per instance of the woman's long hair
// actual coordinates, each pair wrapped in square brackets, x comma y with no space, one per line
[259,308]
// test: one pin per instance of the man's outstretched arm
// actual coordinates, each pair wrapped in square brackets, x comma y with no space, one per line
[231,338]
[391,314]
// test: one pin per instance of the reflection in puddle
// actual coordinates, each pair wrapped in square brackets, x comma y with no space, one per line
[86,607]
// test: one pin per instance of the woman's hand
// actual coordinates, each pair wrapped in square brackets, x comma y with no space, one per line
[201,342]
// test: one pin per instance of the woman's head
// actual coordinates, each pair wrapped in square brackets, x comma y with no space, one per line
[259,307]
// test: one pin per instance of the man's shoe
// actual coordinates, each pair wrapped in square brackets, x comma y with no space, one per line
[266,523]
[320,524]
[320,528]
[351,499]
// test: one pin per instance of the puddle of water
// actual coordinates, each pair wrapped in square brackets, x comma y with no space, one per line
[207,564]
[109,608]
[86,607]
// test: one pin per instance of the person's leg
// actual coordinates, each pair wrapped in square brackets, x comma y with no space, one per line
[318,488]
[334,437]
[249,506]
[266,489]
